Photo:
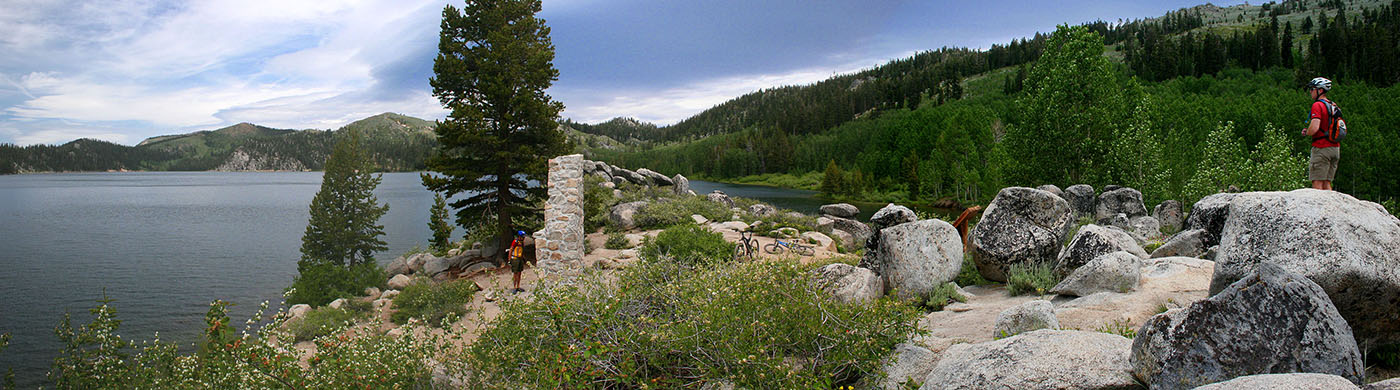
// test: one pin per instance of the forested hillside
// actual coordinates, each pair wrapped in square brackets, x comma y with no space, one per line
[1179,106]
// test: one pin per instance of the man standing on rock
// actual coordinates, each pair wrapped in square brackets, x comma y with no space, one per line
[1326,145]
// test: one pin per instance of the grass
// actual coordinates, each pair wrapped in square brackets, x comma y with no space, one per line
[433,303]
[806,181]
[1119,327]
[617,240]
[969,276]
[941,296]
[1037,278]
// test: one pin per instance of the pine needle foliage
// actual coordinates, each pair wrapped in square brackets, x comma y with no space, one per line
[494,63]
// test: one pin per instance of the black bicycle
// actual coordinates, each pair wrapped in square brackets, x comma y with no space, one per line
[746,247]
[778,246]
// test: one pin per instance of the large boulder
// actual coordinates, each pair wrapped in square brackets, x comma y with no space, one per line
[849,284]
[719,197]
[859,231]
[631,176]
[910,364]
[892,215]
[841,210]
[1145,226]
[1209,214]
[1040,360]
[434,265]
[822,241]
[825,224]
[1273,321]
[1117,272]
[1349,247]
[762,210]
[914,258]
[1169,214]
[1081,199]
[1092,241]
[1122,200]
[397,267]
[1388,384]
[847,240]
[399,282]
[1021,225]
[1294,381]
[625,215]
[1026,317]
[1189,243]
[682,185]
[656,179]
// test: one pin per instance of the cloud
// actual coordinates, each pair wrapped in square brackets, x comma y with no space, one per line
[61,136]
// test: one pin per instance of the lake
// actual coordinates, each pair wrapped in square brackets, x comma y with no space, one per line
[163,245]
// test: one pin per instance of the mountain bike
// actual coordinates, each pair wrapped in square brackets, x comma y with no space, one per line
[746,247]
[778,246]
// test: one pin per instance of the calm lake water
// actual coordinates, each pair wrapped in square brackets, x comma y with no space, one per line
[163,245]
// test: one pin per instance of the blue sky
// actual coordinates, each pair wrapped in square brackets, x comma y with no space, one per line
[123,71]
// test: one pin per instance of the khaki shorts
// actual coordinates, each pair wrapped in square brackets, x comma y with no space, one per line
[1322,166]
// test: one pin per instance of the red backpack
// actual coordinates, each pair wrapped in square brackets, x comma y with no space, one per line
[1337,126]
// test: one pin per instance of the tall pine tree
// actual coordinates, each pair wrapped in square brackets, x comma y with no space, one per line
[494,62]
[337,250]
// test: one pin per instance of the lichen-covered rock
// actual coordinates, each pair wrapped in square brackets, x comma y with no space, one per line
[1169,214]
[914,258]
[1294,381]
[1092,241]
[1082,200]
[910,363]
[682,185]
[719,197]
[892,215]
[1040,360]
[1021,225]
[840,210]
[624,216]
[1114,272]
[1122,200]
[849,284]
[1209,214]
[1051,188]
[1273,321]
[1145,226]
[1026,317]
[1189,243]
[762,210]
[1348,246]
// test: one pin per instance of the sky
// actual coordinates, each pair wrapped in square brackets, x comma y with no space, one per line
[126,70]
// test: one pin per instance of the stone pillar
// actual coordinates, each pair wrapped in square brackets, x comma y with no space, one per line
[559,247]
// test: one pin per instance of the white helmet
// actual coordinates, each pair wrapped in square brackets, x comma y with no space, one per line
[1320,83]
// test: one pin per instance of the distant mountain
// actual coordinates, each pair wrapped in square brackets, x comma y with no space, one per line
[397,143]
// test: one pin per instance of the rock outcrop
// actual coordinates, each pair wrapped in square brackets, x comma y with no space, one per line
[682,185]
[1122,200]
[1169,214]
[762,210]
[1092,241]
[1039,360]
[1081,199]
[858,231]
[1189,243]
[1026,317]
[840,210]
[849,284]
[655,178]
[1209,214]
[910,363]
[914,258]
[892,215]
[1117,272]
[241,160]
[1273,321]
[719,197]
[1349,247]
[1021,225]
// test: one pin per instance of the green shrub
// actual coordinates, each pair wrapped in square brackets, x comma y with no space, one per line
[597,201]
[666,212]
[688,245]
[432,303]
[969,275]
[319,284]
[321,322]
[617,240]
[941,296]
[1037,278]
[754,324]
[1152,246]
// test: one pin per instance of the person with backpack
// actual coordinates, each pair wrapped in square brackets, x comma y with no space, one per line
[1326,127]
[516,256]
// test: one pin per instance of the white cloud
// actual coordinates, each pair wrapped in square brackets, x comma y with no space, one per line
[60,136]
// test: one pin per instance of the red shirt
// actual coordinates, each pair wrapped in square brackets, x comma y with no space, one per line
[1319,111]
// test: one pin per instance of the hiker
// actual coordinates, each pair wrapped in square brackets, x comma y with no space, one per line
[1326,128]
[516,256]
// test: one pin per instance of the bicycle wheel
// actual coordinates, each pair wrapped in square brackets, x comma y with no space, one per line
[804,250]
[773,248]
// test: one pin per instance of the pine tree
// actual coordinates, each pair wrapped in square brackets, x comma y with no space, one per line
[337,250]
[832,179]
[494,63]
[440,223]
